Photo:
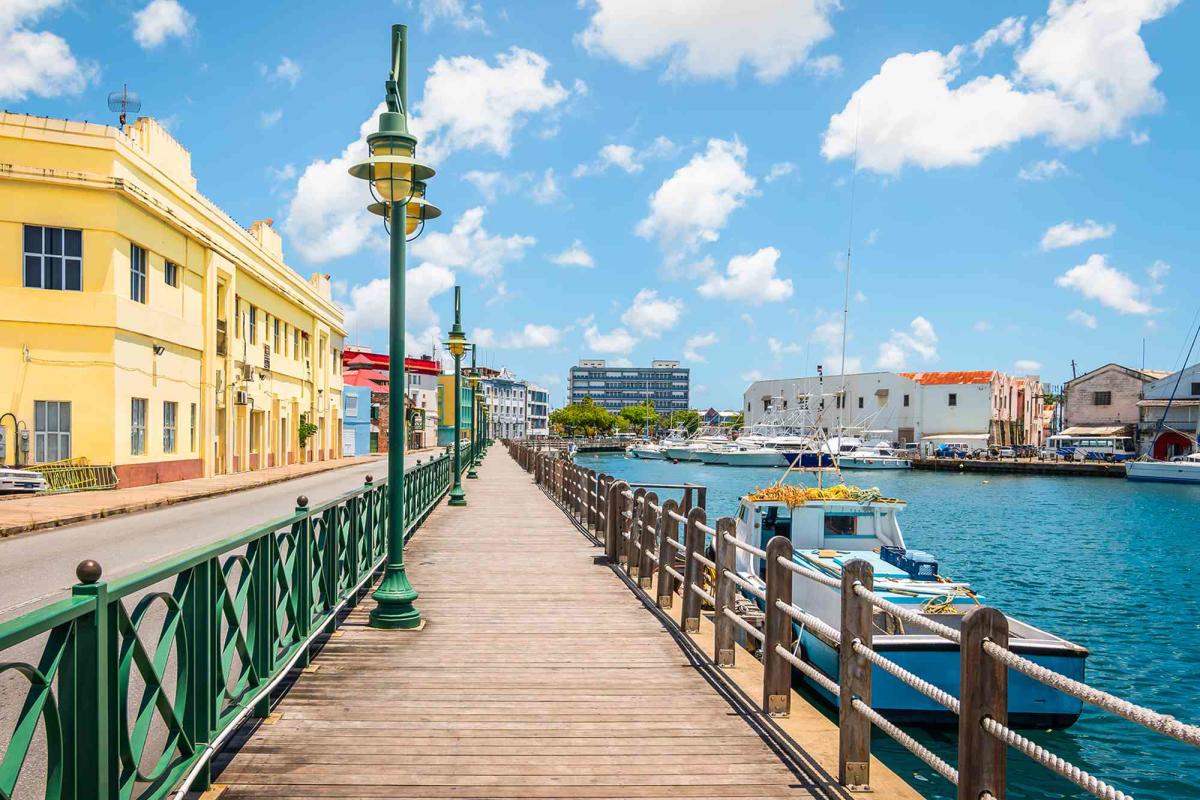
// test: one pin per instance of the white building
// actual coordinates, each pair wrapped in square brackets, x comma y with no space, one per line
[537,410]
[1177,433]
[507,399]
[975,408]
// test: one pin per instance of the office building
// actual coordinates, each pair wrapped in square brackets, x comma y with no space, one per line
[665,383]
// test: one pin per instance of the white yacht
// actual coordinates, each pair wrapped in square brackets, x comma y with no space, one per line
[707,437]
[875,454]
[1181,469]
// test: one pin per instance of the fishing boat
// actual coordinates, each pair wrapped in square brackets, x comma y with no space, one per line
[1183,469]
[744,455]
[704,438]
[875,454]
[828,528]
[654,450]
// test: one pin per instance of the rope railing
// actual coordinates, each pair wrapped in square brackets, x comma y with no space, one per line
[639,532]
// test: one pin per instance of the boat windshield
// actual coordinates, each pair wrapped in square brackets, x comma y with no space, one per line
[776,521]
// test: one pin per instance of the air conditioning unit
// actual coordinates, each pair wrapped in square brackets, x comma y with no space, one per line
[247,372]
[241,398]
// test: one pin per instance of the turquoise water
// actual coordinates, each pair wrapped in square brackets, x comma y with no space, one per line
[1105,563]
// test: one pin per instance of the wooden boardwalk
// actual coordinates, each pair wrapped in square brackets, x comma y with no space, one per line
[539,674]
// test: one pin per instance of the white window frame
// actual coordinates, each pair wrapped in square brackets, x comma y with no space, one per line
[170,421]
[138,408]
[43,435]
[59,261]
[137,273]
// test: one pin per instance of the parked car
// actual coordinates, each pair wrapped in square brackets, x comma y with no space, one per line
[21,481]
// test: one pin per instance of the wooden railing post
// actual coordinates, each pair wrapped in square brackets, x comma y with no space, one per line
[692,543]
[854,678]
[649,527]
[777,673]
[726,559]
[668,530]
[984,693]
[612,518]
[634,539]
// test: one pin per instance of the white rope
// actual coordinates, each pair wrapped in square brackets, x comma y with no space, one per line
[677,516]
[741,623]
[745,584]
[657,509]
[628,494]
[912,745]
[1159,723]
[811,574]
[676,544]
[706,529]
[704,560]
[908,615]
[806,619]
[733,540]
[672,572]
[712,601]
[650,554]
[920,684]
[1052,762]
[808,669]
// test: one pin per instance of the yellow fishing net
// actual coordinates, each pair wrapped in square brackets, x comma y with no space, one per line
[799,495]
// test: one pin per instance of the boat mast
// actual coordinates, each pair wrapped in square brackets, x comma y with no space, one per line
[846,293]
[1182,368]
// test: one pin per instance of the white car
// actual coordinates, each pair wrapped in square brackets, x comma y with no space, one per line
[13,481]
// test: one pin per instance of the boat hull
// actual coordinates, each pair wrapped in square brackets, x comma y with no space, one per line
[873,462]
[710,457]
[755,459]
[681,454]
[1030,704]
[652,454]
[808,459]
[1162,471]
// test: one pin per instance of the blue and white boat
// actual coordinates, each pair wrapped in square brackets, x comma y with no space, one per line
[840,524]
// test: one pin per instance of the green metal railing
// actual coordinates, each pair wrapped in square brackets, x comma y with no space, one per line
[122,715]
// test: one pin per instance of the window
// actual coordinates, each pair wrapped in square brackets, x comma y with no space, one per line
[296,343]
[52,430]
[1102,398]
[952,399]
[351,405]
[252,320]
[137,426]
[192,430]
[171,273]
[53,258]
[840,525]
[170,412]
[1195,389]
[137,274]
[277,334]
[906,401]
[860,402]
[306,345]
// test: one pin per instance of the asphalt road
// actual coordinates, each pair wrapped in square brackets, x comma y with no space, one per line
[38,567]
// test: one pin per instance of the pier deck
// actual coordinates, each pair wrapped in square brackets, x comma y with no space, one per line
[538,674]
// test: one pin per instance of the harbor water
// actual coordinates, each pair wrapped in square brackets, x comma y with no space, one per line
[1105,563]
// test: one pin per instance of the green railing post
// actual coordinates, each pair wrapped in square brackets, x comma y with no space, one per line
[88,702]
[302,580]
[199,610]
[370,535]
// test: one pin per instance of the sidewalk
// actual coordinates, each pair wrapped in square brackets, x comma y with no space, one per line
[23,514]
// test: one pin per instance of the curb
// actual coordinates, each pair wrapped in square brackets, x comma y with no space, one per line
[130,508]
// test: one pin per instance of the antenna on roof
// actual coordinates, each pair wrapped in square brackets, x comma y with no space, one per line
[124,101]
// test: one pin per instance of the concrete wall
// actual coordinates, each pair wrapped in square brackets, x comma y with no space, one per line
[1125,386]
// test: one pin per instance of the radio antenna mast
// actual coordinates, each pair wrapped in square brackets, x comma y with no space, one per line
[124,101]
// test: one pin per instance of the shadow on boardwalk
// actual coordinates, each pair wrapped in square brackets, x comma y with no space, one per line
[537,675]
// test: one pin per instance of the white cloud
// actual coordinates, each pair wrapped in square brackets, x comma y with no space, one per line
[286,70]
[1009,31]
[454,12]
[1083,77]
[368,308]
[530,337]
[469,104]
[282,174]
[1096,280]
[1081,317]
[626,157]
[750,376]
[269,118]
[693,345]
[982,326]
[873,236]
[489,184]
[37,62]
[1139,138]
[824,66]
[779,170]
[709,39]
[1027,366]
[617,340]
[652,316]
[159,21]
[574,256]
[919,340]
[693,205]
[469,246]
[750,278]
[1043,170]
[546,190]
[779,348]
[1069,234]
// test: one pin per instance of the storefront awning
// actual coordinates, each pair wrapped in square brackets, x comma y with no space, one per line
[957,437]
[1163,403]
[1096,430]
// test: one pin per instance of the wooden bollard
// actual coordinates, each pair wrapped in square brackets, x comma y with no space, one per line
[612,519]
[854,679]
[632,541]
[982,758]
[693,543]
[649,527]
[777,673]
[668,530]
[724,643]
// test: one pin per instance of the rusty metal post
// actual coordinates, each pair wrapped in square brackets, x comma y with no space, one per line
[726,559]
[777,673]
[982,758]
[854,679]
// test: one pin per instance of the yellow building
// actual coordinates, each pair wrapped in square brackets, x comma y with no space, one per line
[140,326]
[446,404]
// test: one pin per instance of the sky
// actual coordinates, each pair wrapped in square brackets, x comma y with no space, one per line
[683,179]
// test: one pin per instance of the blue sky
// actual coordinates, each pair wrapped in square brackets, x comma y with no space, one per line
[673,180]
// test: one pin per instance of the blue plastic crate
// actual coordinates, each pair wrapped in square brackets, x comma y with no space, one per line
[919,565]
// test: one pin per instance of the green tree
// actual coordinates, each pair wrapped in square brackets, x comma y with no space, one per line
[688,420]
[584,418]
[639,417]
[738,422]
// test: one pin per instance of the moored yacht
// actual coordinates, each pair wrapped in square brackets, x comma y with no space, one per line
[830,527]
[655,450]
[1182,469]
[689,450]
[874,455]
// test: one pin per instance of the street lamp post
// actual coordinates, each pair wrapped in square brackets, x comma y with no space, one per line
[397,184]
[476,421]
[457,344]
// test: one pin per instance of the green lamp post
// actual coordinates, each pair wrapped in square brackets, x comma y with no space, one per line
[397,184]
[457,344]
[476,419]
